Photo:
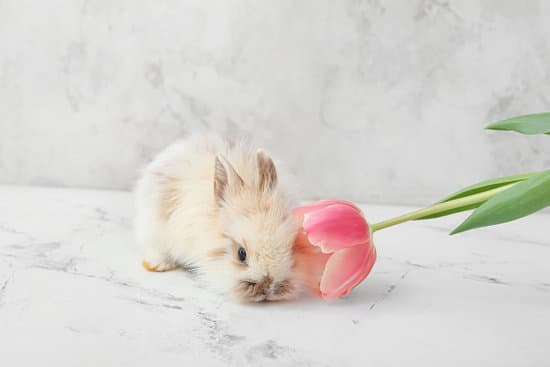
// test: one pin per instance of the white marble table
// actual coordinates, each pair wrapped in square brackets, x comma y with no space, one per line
[72,293]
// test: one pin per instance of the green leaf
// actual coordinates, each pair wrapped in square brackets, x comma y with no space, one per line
[538,123]
[489,185]
[516,202]
[476,189]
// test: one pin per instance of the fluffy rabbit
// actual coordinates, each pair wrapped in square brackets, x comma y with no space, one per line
[218,207]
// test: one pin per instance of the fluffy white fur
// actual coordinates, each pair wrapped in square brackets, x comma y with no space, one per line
[180,220]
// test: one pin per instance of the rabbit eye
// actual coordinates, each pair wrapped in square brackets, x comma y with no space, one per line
[242,254]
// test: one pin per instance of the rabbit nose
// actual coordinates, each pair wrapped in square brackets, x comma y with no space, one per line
[264,284]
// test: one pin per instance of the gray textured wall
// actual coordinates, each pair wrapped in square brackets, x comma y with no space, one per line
[365,100]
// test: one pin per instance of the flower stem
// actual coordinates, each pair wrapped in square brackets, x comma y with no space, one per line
[442,207]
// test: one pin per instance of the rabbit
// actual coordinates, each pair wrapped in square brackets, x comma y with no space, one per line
[219,208]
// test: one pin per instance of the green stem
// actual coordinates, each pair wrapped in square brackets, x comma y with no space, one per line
[441,207]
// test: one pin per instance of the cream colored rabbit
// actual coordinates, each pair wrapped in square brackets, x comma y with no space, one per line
[218,207]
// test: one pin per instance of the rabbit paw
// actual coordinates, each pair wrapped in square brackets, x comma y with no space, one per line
[158,266]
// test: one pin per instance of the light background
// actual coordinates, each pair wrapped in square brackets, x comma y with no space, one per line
[364,100]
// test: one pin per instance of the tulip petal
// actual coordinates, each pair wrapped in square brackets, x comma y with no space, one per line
[346,269]
[336,227]
[321,204]
[309,263]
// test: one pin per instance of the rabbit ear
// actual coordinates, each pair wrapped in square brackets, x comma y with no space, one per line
[224,176]
[266,170]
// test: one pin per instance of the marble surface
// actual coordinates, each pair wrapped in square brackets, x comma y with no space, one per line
[72,292]
[368,90]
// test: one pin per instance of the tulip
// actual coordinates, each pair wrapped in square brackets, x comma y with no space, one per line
[334,251]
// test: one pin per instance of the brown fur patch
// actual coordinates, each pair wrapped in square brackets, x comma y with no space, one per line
[217,252]
[266,171]
[225,175]
[283,288]
[250,290]
[147,266]
[220,180]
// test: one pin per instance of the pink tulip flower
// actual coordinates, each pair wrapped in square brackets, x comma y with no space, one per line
[334,252]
